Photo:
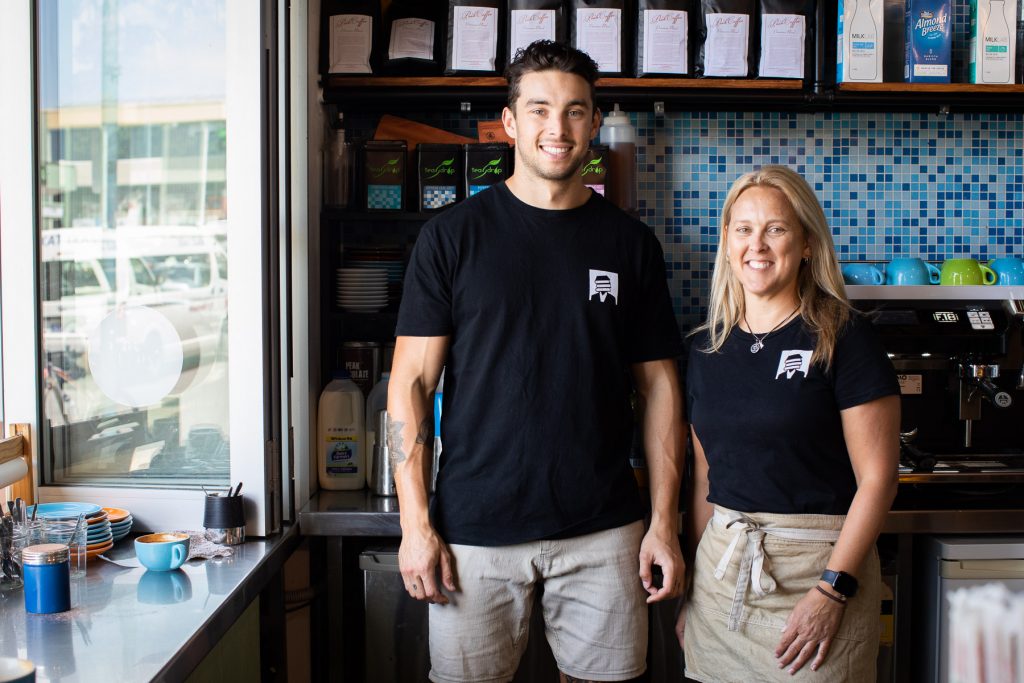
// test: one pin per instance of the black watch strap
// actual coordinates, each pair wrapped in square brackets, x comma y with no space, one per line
[841,582]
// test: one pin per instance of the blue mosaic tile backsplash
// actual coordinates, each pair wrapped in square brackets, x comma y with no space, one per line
[891,184]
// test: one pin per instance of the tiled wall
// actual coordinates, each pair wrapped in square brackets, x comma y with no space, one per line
[891,184]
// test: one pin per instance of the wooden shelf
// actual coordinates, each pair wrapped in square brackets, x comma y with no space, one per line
[933,88]
[417,82]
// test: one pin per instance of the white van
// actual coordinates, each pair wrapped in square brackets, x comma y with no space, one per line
[180,271]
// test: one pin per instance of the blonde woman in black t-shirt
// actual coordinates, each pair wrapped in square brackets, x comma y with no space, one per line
[794,412]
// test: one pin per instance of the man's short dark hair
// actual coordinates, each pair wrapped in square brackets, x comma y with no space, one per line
[544,55]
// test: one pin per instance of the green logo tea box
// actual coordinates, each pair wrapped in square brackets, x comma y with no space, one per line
[993,41]
[594,170]
[486,164]
[439,168]
[384,174]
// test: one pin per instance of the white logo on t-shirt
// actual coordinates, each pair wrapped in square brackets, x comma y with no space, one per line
[794,361]
[604,286]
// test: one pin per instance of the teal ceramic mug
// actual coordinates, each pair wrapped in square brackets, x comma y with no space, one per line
[966,271]
[1009,270]
[862,274]
[911,271]
[162,552]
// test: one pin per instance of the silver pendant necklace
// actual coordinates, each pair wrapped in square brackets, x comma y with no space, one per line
[759,341]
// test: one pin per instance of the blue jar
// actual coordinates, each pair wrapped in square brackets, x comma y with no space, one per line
[47,570]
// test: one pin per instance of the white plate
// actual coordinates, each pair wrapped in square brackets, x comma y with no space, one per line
[367,301]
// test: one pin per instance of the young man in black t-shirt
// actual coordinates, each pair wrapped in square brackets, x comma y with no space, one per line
[539,298]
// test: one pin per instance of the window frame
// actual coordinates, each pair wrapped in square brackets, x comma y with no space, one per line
[250,423]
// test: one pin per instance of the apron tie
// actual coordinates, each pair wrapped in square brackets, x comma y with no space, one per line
[755,566]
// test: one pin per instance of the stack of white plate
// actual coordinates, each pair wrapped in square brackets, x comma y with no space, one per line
[362,290]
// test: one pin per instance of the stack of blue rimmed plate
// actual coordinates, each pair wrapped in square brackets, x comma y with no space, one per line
[120,522]
[65,511]
[99,534]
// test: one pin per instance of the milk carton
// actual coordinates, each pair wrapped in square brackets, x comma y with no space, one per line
[929,41]
[993,41]
[859,53]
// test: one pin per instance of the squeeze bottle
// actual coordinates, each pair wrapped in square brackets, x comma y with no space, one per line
[341,443]
[375,402]
[620,136]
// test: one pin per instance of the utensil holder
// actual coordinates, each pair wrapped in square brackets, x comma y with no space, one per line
[224,520]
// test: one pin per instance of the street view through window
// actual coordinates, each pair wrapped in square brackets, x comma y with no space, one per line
[133,241]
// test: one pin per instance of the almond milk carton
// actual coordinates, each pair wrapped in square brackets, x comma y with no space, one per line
[929,43]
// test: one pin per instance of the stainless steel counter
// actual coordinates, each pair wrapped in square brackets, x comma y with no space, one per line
[127,624]
[360,513]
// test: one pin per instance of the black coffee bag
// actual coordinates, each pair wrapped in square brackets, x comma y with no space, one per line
[663,37]
[725,38]
[604,30]
[785,38]
[414,38]
[350,37]
[530,20]
[475,38]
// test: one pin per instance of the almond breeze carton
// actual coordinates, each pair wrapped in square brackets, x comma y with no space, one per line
[993,41]
[929,41]
[861,29]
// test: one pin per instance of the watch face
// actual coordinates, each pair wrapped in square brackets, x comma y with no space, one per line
[845,584]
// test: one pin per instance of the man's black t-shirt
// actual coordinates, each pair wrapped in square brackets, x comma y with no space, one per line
[546,311]
[769,422]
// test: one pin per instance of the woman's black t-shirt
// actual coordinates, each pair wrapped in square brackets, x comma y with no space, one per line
[769,422]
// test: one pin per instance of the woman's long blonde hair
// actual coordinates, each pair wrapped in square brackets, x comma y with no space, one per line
[823,304]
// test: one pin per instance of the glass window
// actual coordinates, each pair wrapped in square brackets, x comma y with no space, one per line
[132,132]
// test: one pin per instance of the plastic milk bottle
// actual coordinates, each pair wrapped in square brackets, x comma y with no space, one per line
[341,442]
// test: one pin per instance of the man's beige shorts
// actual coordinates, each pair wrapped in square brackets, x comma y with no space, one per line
[595,611]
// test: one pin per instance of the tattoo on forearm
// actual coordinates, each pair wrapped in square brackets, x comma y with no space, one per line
[425,435]
[396,449]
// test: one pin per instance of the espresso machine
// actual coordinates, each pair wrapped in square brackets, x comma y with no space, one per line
[960,359]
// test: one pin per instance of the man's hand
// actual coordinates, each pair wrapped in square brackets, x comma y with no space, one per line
[662,549]
[419,556]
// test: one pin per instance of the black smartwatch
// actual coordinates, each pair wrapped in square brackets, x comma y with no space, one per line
[841,582]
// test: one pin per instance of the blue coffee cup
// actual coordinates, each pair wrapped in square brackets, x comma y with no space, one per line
[911,271]
[162,552]
[1009,270]
[862,274]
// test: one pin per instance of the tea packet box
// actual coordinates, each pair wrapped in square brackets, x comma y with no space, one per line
[594,170]
[993,41]
[485,165]
[439,170]
[384,174]
[860,34]
[929,43]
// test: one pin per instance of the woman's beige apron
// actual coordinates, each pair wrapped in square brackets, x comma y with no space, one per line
[751,570]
